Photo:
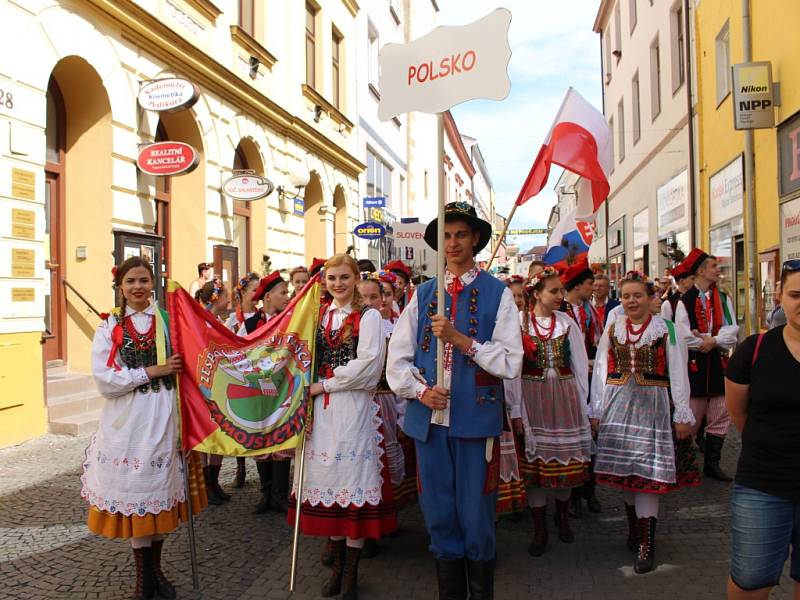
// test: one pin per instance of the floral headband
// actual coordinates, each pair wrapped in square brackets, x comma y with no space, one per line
[514,279]
[388,277]
[635,276]
[545,273]
[369,276]
[245,281]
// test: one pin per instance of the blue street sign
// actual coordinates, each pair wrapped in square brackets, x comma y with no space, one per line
[299,207]
[374,201]
[369,231]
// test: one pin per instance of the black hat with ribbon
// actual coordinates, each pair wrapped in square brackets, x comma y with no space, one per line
[461,211]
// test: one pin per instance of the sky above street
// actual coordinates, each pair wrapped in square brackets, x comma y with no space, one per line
[553,47]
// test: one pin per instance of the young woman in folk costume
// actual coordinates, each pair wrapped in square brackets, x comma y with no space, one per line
[511,496]
[132,476]
[347,493]
[405,492]
[298,277]
[273,469]
[553,412]
[641,414]
[213,297]
[245,308]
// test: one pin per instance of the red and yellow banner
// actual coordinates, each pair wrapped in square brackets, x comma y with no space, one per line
[244,396]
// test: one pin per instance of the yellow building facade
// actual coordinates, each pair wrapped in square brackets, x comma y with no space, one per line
[722,210]
[276,98]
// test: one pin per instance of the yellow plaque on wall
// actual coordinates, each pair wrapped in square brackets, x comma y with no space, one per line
[23,184]
[23,262]
[23,294]
[23,216]
[22,231]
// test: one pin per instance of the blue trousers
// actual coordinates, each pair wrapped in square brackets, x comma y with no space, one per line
[458,514]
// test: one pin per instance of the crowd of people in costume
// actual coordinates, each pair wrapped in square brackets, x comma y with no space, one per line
[550,387]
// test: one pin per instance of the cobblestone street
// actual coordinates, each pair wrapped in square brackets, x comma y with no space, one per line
[47,552]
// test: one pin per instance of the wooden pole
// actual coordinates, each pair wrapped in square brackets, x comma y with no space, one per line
[502,235]
[298,505]
[440,257]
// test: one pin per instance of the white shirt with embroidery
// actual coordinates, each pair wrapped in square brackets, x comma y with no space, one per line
[500,356]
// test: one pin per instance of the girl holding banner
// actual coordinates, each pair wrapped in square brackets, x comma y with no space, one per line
[346,494]
[132,476]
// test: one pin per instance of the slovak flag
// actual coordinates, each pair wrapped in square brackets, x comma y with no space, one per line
[579,141]
[570,239]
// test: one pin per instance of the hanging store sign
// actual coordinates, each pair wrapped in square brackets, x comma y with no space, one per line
[753,105]
[247,187]
[167,158]
[672,201]
[299,207]
[374,202]
[168,95]
[727,192]
[369,231]
[448,66]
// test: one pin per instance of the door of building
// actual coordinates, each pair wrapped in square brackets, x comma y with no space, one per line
[226,267]
[55,309]
[149,247]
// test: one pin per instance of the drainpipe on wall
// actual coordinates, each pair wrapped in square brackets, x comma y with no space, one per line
[749,191]
[687,59]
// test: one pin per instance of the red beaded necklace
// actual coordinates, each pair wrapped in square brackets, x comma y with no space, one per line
[141,341]
[334,338]
[547,333]
[636,332]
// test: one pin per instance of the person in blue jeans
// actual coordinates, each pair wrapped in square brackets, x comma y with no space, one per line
[761,384]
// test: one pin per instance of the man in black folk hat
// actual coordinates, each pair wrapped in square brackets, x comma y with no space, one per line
[708,313]
[456,425]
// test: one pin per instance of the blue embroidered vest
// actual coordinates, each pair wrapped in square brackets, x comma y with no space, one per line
[476,397]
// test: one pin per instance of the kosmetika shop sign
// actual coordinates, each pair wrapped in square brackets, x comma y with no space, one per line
[167,158]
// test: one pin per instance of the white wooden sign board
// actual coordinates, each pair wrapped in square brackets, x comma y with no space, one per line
[447,66]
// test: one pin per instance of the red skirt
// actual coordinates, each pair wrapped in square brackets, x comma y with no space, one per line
[367,521]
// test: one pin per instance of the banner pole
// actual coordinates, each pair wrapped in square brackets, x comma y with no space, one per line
[440,256]
[502,235]
[192,541]
[299,503]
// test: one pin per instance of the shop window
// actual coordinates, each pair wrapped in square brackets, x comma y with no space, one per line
[379,178]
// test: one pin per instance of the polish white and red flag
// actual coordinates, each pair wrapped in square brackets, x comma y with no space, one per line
[578,141]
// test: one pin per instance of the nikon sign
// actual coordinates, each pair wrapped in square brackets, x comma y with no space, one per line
[753,104]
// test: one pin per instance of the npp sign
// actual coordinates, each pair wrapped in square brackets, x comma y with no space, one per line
[752,96]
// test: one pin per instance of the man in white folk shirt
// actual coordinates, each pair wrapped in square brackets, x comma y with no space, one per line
[708,313]
[456,426]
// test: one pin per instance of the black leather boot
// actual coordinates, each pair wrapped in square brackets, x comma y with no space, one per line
[452,579]
[163,587]
[352,557]
[279,497]
[633,528]
[564,531]
[264,469]
[333,586]
[592,503]
[712,457]
[539,542]
[646,558]
[241,472]
[327,553]
[211,490]
[145,581]
[371,548]
[215,469]
[576,503]
[480,574]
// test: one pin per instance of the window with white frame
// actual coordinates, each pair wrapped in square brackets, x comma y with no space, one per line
[618,30]
[611,142]
[636,111]
[373,46]
[722,47]
[379,178]
[311,45]
[336,74]
[632,16]
[396,8]
[655,79]
[607,53]
[678,43]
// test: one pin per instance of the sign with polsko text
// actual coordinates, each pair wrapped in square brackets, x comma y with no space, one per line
[445,67]
[753,104]
[374,202]
[369,231]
